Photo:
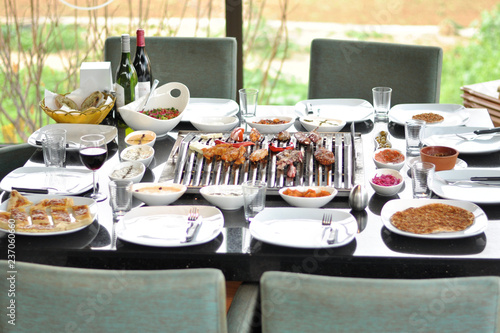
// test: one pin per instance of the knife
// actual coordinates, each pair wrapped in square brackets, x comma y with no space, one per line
[485,179]
[31,190]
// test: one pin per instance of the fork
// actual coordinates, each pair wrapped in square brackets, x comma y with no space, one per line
[192,226]
[467,182]
[332,233]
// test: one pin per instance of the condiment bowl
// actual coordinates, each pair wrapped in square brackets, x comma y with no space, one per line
[140,153]
[215,124]
[389,175]
[141,138]
[270,128]
[444,158]
[309,201]
[322,124]
[227,197]
[133,171]
[139,121]
[380,158]
[158,194]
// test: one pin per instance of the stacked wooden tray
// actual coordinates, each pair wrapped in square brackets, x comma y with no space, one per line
[484,95]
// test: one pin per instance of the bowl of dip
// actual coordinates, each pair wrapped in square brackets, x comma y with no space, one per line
[139,153]
[141,138]
[322,124]
[158,194]
[133,171]
[227,197]
[387,182]
[389,158]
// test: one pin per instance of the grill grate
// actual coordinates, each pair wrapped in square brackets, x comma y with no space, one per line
[190,168]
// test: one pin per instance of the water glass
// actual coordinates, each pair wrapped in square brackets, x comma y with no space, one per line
[414,133]
[54,147]
[422,175]
[120,196]
[254,196]
[381,101]
[248,102]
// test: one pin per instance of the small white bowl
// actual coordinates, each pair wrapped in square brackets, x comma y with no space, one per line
[215,124]
[395,166]
[140,153]
[387,190]
[158,194]
[227,197]
[308,202]
[270,129]
[133,171]
[322,124]
[136,135]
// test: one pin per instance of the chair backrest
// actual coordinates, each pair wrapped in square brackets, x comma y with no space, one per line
[207,66]
[13,157]
[350,69]
[293,302]
[61,299]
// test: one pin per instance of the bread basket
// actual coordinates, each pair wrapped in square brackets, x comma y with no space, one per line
[92,115]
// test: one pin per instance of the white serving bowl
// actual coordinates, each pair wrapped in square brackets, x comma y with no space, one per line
[138,134]
[215,124]
[322,124]
[387,190]
[138,121]
[270,129]
[140,153]
[161,194]
[308,202]
[382,165]
[227,197]
[133,171]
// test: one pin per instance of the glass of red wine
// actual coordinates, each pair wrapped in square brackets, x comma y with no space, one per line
[93,153]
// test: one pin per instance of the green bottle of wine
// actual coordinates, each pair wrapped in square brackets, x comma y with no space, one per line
[126,79]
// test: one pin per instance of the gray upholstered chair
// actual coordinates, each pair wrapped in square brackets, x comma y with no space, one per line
[292,302]
[61,299]
[13,157]
[207,66]
[350,69]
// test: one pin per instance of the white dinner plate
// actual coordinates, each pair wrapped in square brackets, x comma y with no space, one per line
[202,107]
[481,194]
[61,181]
[446,136]
[347,109]
[165,226]
[74,132]
[35,198]
[453,114]
[301,227]
[393,206]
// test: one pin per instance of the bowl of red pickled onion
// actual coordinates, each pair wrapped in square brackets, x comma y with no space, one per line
[387,182]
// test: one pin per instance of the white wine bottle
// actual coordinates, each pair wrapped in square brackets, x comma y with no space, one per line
[142,66]
[126,79]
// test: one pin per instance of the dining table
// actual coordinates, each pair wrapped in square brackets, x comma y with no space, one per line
[375,251]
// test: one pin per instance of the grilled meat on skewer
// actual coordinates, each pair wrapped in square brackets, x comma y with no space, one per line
[287,157]
[255,135]
[258,155]
[314,136]
[292,171]
[302,138]
[283,136]
[236,155]
[324,156]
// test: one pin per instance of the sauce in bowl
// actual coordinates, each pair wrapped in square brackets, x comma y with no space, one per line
[389,156]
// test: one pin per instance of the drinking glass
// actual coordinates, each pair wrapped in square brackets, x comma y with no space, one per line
[381,101]
[93,153]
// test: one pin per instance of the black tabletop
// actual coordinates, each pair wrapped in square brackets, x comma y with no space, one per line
[375,251]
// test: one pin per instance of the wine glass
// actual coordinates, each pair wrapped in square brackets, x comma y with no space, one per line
[93,153]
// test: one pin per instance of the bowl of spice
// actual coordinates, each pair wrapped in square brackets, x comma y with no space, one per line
[387,182]
[389,158]
[139,153]
[161,114]
[133,171]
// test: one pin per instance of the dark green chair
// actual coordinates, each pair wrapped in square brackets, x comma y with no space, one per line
[292,302]
[63,299]
[350,69]
[207,66]
[13,157]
